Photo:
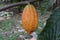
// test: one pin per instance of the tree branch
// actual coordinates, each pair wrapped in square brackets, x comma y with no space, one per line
[15,4]
[55,5]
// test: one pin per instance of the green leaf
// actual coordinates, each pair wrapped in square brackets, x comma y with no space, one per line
[52,28]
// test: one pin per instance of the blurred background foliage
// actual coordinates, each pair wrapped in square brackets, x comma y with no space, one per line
[52,28]
[10,20]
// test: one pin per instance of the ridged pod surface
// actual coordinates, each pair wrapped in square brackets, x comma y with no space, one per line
[30,18]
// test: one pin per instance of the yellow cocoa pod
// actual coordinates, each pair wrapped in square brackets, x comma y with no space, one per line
[30,18]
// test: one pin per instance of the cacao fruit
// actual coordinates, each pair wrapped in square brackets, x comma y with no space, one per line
[30,19]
